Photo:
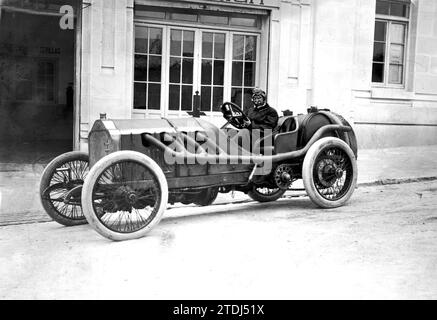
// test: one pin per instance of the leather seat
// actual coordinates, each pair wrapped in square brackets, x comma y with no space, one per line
[285,124]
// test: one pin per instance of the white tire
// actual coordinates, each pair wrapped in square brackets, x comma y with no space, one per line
[329,172]
[61,175]
[107,198]
[261,194]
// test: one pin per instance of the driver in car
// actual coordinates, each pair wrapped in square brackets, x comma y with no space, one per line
[261,117]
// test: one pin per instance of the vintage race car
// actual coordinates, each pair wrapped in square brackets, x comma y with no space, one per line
[135,168]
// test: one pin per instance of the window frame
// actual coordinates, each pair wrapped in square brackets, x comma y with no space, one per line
[389,20]
[147,110]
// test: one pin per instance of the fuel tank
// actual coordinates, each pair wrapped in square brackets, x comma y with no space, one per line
[317,118]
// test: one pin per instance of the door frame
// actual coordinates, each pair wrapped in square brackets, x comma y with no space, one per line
[77,77]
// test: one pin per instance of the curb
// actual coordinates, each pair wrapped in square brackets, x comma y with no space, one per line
[383,182]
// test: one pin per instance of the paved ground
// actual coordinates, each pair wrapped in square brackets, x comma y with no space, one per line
[383,245]
[19,199]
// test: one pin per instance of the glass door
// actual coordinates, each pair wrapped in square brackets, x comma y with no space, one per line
[173,64]
[196,66]
[244,68]
[212,70]
[148,75]
[229,69]
[181,70]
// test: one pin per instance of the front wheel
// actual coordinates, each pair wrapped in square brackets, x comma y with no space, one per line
[264,194]
[329,172]
[124,195]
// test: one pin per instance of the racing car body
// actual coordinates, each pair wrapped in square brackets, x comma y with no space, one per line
[134,168]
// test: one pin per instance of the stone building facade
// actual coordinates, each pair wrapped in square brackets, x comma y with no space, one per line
[373,61]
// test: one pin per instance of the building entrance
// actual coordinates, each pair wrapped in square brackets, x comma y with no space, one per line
[37,59]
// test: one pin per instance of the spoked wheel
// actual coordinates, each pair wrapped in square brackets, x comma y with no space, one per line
[124,195]
[60,188]
[329,172]
[264,194]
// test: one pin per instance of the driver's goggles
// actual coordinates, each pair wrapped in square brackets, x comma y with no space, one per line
[257,96]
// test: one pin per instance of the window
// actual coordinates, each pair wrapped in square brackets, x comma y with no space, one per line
[183,17]
[389,48]
[213,70]
[247,21]
[242,21]
[181,70]
[151,13]
[148,63]
[243,69]
[210,19]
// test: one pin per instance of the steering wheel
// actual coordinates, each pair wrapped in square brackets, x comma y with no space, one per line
[234,115]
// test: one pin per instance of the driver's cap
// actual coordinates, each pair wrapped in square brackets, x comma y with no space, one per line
[259,92]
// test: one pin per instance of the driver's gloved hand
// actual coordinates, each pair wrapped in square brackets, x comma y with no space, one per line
[246,124]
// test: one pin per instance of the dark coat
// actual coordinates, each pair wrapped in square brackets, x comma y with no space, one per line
[264,117]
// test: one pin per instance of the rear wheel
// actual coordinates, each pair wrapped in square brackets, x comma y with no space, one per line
[64,174]
[207,197]
[264,194]
[124,195]
[329,172]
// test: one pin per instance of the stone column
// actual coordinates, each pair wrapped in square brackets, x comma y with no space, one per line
[295,55]
[425,80]
[106,62]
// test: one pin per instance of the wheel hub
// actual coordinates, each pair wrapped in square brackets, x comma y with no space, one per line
[131,197]
[328,172]
[283,176]
[339,173]
[124,198]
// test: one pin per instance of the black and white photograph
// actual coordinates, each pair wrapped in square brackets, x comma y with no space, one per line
[218,150]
